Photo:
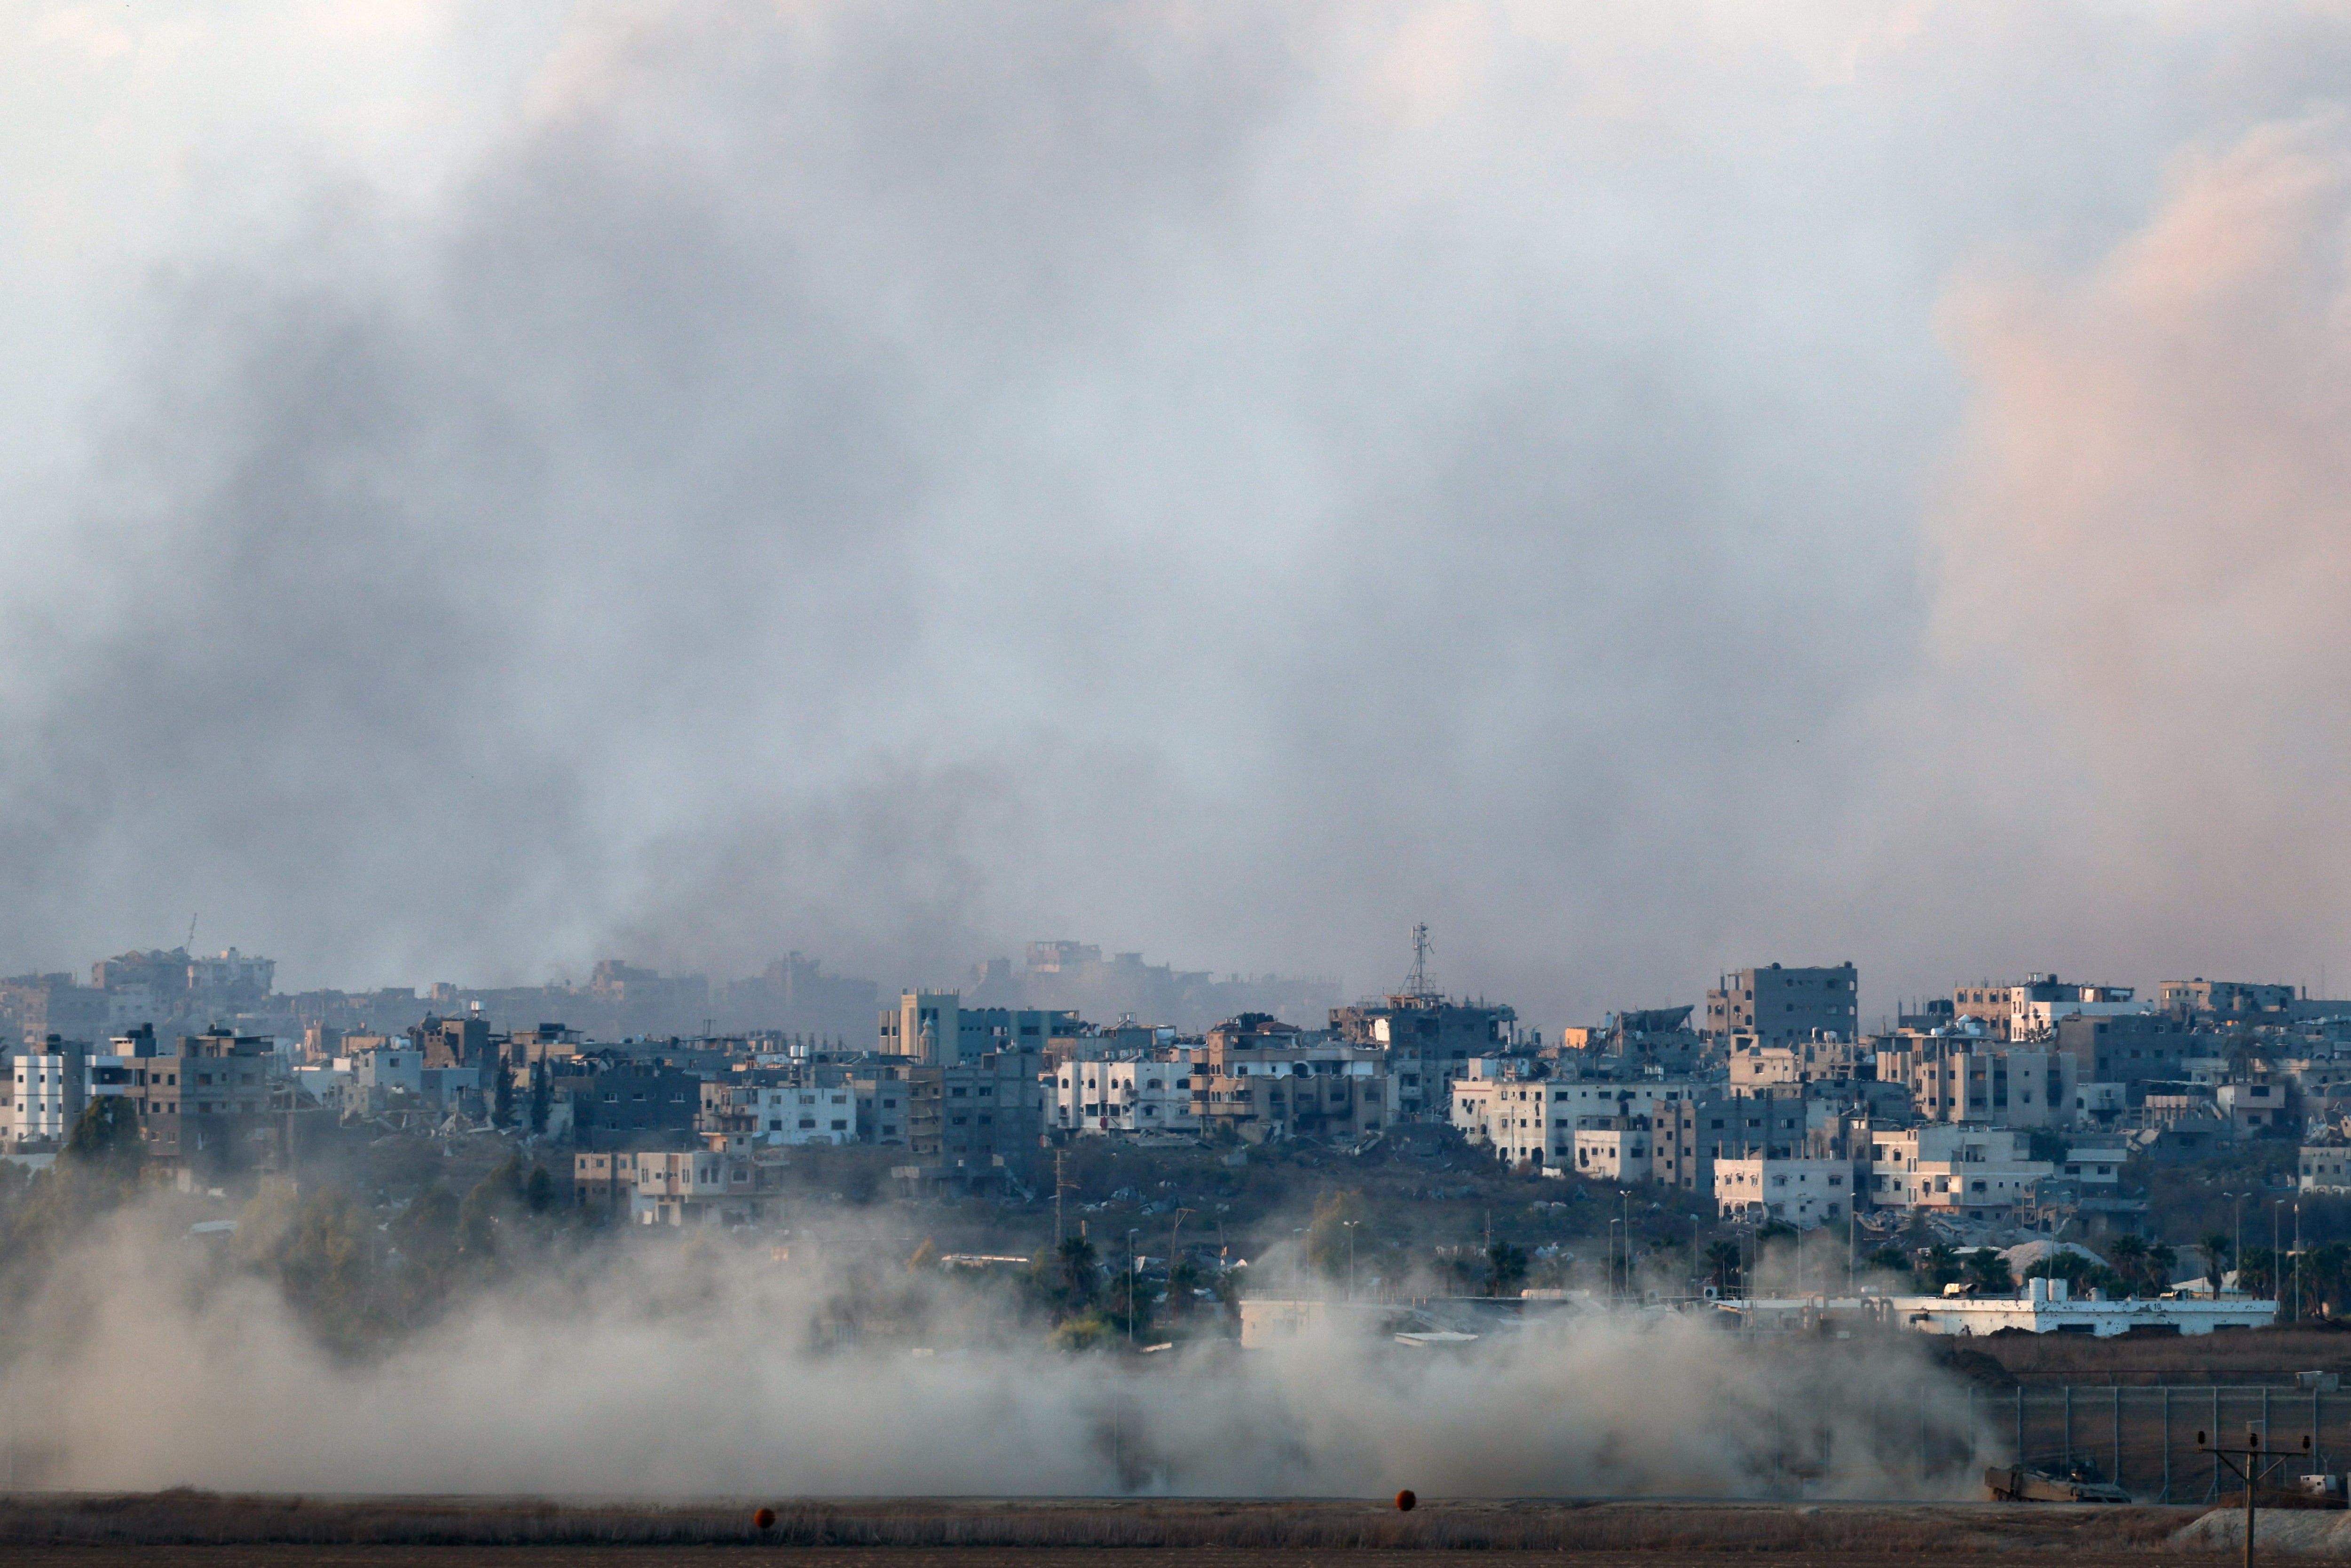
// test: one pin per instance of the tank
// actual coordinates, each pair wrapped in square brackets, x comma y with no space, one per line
[2077,1482]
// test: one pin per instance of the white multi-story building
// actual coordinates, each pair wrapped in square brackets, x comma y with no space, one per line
[1948,1167]
[1613,1148]
[1805,1194]
[797,1113]
[333,1086]
[1515,1118]
[2326,1165]
[1536,1122]
[1145,1094]
[42,1098]
[684,1186]
[386,1071]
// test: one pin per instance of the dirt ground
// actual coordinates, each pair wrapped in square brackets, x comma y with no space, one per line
[187,1529]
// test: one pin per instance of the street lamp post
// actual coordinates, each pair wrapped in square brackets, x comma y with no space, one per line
[2238,1198]
[1130,1286]
[1613,1290]
[1351,1225]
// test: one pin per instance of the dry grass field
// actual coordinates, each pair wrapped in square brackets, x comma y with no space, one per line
[171,1528]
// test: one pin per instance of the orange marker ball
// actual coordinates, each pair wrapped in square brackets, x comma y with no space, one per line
[1406,1501]
[765,1519]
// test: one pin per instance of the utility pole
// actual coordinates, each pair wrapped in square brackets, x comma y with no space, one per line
[1059,1187]
[2248,1464]
[1130,1287]
[1351,1225]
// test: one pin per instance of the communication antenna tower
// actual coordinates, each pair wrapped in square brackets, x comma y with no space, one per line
[1416,983]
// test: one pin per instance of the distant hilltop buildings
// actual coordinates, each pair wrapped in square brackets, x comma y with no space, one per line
[2014,1104]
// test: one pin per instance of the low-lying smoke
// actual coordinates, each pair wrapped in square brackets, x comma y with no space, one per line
[694,1370]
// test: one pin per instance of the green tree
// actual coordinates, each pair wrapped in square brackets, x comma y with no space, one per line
[1989,1272]
[1085,1331]
[494,1199]
[104,1152]
[1184,1277]
[2215,1247]
[1066,1280]
[1506,1269]
[2257,1273]
[501,1095]
[1938,1268]
[1722,1265]
[1131,1315]
[425,1232]
[324,1267]
[542,1095]
[2127,1256]
[539,1193]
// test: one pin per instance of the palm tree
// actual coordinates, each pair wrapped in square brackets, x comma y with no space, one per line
[1989,1270]
[2128,1258]
[1938,1268]
[2215,1248]
[1722,1260]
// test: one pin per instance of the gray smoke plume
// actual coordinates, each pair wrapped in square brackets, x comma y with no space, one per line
[652,1372]
[1643,488]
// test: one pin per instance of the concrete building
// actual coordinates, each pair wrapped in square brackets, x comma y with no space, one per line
[45,1096]
[203,1107]
[2203,995]
[1952,1169]
[1525,1121]
[618,1101]
[936,1029]
[985,1112]
[1144,1094]
[696,1187]
[2048,1306]
[1257,1079]
[1779,1006]
[1967,1079]
[604,1180]
[2030,1011]
[1428,1044]
[882,1101]
[2325,1165]
[2041,1306]
[1753,1065]
[2256,1106]
[790,1111]
[39,1006]
[1686,1134]
[1612,1149]
[1539,1122]
[2129,1049]
[1804,1193]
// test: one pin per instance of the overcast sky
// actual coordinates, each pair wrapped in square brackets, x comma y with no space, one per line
[1644,488]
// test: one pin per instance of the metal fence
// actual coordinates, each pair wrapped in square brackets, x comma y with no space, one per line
[2144,1438]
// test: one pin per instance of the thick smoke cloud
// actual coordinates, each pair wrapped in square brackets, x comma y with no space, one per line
[651,1374]
[1641,487]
